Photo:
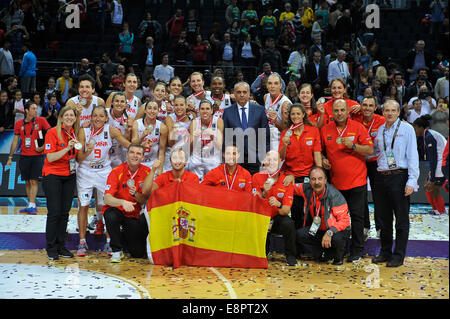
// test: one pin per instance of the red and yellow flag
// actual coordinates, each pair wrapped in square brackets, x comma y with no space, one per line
[198,225]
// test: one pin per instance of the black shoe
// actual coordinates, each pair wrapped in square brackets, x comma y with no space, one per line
[291,261]
[52,256]
[65,253]
[338,261]
[353,258]
[324,257]
[380,259]
[394,263]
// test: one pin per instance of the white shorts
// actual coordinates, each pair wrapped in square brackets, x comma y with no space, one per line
[274,138]
[87,180]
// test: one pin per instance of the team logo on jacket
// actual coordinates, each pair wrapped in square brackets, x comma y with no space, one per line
[183,225]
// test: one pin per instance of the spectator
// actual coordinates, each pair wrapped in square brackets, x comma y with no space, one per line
[287,14]
[267,70]
[344,27]
[5,110]
[36,99]
[235,33]
[249,51]
[16,36]
[437,16]
[392,94]
[51,109]
[116,15]
[118,78]
[364,60]
[200,50]
[418,58]
[126,39]
[296,62]
[323,11]
[28,70]
[441,86]
[316,29]
[18,106]
[63,84]
[399,83]
[332,20]
[180,50]
[232,12]
[148,89]
[316,74]
[376,91]
[82,69]
[414,111]
[317,46]
[338,68]
[174,26]
[150,28]
[164,72]
[101,82]
[192,26]
[440,116]
[108,66]
[414,87]
[149,58]
[307,20]
[250,15]
[215,36]
[6,62]
[268,25]
[271,55]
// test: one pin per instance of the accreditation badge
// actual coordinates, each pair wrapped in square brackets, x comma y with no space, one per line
[314,226]
[391,160]
[72,166]
[27,142]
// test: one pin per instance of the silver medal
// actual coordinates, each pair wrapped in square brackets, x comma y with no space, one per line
[92,141]
[321,100]
[339,140]
[151,127]
[270,109]
[317,220]
[83,102]
[78,146]
[130,182]
[171,97]
[163,107]
[176,126]
[270,181]
[289,133]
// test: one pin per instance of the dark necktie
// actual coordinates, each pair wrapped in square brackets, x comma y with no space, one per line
[244,119]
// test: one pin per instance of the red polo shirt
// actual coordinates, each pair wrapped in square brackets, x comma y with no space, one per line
[282,193]
[30,129]
[328,106]
[54,144]
[116,185]
[300,153]
[348,168]
[241,180]
[167,177]
[372,129]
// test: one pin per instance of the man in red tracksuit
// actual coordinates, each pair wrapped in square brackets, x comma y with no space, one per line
[326,227]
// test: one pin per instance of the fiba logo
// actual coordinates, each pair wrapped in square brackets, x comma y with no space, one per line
[372,16]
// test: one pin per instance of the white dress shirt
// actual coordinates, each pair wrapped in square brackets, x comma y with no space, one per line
[246,106]
[405,150]
[338,69]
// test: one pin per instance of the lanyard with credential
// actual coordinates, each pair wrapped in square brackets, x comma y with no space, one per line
[393,138]
[32,127]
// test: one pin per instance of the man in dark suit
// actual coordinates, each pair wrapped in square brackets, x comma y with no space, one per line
[149,58]
[246,125]
[316,74]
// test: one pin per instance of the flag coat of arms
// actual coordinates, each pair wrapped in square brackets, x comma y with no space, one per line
[198,225]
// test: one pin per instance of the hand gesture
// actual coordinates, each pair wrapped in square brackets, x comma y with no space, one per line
[128,206]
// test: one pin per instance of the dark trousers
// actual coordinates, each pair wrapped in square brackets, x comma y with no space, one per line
[371,172]
[284,225]
[356,200]
[59,191]
[314,243]
[389,196]
[297,208]
[134,233]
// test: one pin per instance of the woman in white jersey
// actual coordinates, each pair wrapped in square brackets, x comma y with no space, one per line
[152,134]
[159,96]
[173,89]
[206,136]
[178,124]
[276,105]
[94,167]
[197,83]
[133,102]
[118,118]
[85,101]
[221,99]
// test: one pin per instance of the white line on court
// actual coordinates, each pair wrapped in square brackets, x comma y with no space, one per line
[226,282]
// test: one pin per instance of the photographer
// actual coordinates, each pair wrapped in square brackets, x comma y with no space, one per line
[428,102]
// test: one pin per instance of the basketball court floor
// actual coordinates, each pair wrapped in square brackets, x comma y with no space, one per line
[27,273]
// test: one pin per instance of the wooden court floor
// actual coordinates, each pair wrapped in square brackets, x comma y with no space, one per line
[418,278]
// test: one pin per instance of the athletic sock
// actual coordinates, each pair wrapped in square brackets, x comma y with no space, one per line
[99,216]
[440,204]
[83,241]
[431,200]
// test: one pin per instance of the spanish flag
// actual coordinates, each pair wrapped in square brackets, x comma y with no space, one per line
[198,225]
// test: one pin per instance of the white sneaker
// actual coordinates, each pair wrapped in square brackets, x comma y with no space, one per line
[116,257]
[93,224]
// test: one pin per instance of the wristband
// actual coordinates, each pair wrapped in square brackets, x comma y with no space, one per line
[281,205]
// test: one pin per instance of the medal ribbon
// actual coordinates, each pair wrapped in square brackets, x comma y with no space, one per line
[226,176]
[95,133]
[199,93]
[276,100]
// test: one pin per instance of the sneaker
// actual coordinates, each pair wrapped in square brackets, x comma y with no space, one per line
[107,249]
[24,210]
[52,256]
[93,223]
[116,257]
[100,228]
[82,250]
[291,261]
[32,210]
[353,258]
[65,253]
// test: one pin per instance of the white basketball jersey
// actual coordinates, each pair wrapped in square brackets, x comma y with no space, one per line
[203,145]
[277,107]
[86,111]
[133,107]
[162,115]
[197,100]
[98,159]
[150,154]
[224,103]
